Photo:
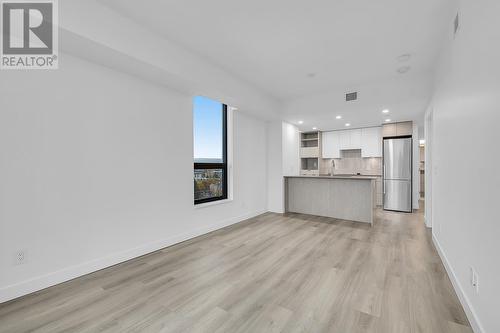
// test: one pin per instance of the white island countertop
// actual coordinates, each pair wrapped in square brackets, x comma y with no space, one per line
[337,177]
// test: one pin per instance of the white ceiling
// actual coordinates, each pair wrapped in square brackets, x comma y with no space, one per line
[405,97]
[275,44]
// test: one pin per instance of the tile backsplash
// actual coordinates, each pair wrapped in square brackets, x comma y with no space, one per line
[351,162]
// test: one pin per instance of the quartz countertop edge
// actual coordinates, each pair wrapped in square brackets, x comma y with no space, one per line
[337,177]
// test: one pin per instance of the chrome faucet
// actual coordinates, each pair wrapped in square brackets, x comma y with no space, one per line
[333,166]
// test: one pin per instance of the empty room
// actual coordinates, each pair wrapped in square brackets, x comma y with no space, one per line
[249,166]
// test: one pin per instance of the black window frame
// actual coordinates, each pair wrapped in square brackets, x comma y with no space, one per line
[222,165]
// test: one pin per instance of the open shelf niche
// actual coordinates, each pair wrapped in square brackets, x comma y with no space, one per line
[310,153]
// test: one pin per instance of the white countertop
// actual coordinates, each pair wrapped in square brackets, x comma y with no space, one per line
[354,177]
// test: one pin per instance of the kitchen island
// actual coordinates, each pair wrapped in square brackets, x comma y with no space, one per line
[343,197]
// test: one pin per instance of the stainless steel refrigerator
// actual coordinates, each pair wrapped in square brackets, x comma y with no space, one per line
[397,184]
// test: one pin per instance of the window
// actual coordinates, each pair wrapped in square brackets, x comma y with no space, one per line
[210,150]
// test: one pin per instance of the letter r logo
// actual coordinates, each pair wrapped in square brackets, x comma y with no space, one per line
[27,27]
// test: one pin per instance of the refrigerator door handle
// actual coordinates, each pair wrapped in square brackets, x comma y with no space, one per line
[383,180]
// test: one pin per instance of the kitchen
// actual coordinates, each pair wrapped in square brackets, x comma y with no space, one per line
[342,172]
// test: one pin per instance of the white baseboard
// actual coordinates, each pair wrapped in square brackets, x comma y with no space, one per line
[464,300]
[44,281]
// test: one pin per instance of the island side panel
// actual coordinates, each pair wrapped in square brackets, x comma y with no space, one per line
[351,200]
[308,196]
[348,199]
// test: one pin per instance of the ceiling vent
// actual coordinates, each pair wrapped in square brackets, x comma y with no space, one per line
[352,96]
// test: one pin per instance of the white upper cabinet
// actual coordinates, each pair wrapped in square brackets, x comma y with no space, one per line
[345,139]
[331,145]
[371,142]
[355,139]
[327,148]
[350,139]
[334,142]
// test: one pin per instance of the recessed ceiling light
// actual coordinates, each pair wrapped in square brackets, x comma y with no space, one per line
[385,111]
[404,69]
[347,125]
[300,122]
[404,57]
[315,128]
[338,117]
[387,120]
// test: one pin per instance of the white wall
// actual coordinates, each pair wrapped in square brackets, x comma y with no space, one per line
[283,160]
[110,38]
[291,142]
[428,165]
[416,164]
[465,154]
[275,201]
[406,96]
[96,168]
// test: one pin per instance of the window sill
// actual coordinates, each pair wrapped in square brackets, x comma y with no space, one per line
[212,203]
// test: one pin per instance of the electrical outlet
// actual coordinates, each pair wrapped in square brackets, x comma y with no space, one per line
[20,257]
[474,280]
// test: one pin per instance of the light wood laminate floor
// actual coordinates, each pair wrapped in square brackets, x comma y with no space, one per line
[272,273]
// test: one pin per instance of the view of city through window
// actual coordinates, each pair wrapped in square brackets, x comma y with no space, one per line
[209,119]
[207,183]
